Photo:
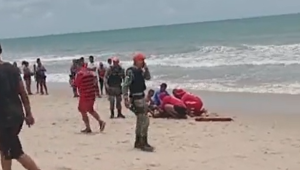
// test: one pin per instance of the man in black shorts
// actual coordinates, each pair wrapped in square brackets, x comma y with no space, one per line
[12,117]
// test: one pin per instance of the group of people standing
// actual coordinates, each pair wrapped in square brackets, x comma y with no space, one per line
[85,77]
[107,80]
[39,74]
[118,83]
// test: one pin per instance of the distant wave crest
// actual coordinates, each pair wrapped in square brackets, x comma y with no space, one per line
[204,56]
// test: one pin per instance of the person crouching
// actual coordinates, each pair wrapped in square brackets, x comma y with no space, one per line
[171,107]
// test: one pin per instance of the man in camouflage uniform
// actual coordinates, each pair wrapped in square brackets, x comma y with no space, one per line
[134,83]
[113,83]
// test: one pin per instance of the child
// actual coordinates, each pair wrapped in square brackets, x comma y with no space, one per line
[151,106]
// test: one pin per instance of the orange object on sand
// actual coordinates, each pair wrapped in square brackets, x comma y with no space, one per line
[213,119]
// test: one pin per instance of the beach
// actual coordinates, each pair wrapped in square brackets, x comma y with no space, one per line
[264,136]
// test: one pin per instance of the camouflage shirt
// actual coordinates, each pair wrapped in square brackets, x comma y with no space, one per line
[109,72]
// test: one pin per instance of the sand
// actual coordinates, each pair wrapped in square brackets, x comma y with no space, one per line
[262,141]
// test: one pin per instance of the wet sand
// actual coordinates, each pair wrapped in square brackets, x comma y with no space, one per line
[264,136]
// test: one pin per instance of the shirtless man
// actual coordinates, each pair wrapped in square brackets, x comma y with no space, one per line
[73,71]
[13,98]
[101,73]
[41,76]
[91,66]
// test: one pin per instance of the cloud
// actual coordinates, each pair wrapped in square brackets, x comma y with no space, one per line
[38,17]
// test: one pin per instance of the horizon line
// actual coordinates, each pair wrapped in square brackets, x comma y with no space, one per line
[148,26]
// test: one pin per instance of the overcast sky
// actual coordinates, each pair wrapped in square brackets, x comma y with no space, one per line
[40,17]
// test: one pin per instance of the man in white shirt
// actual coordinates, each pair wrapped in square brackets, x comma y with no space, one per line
[109,62]
[92,66]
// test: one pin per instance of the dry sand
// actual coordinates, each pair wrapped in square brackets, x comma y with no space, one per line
[253,141]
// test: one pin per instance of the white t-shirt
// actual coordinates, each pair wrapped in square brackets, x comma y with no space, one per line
[92,66]
[107,65]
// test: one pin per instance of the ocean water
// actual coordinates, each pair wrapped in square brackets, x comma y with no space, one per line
[257,55]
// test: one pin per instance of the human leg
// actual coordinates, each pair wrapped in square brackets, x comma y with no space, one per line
[45,85]
[111,99]
[101,82]
[11,148]
[142,124]
[83,109]
[119,106]
[90,108]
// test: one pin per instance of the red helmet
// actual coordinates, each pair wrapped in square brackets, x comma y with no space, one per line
[139,57]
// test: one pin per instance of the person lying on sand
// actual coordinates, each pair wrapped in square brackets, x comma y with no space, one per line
[171,107]
[193,103]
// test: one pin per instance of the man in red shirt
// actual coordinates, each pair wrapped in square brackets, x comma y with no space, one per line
[193,103]
[85,82]
[172,107]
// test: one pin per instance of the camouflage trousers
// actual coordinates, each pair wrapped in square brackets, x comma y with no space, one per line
[140,108]
[115,97]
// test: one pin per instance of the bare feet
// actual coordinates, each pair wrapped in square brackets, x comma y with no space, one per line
[102,126]
[87,130]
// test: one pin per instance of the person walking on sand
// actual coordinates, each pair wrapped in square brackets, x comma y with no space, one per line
[113,79]
[135,85]
[13,98]
[85,82]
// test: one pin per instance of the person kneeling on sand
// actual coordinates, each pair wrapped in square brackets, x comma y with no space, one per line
[171,107]
[162,89]
[193,103]
[152,108]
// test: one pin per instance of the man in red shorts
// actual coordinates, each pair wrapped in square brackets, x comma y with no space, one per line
[85,82]
[193,103]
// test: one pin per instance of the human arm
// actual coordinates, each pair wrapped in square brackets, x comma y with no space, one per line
[146,73]
[77,80]
[127,81]
[106,76]
[43,68]
[24,98]
[123,74]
